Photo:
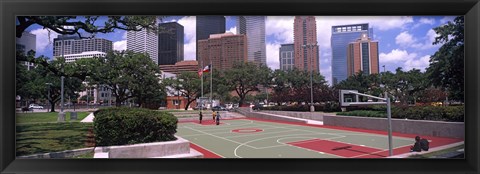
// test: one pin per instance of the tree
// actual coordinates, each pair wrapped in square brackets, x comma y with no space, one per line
[67,25]
[446,68]
[126,73]
[246,77]
[188,86]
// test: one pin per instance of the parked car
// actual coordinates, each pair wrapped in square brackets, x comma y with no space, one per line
[35,106]
[257,106]
[219,108]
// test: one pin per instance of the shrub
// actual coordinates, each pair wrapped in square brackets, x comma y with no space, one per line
[435,113]
[121,126]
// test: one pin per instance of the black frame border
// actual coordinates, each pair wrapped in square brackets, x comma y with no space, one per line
[9,9]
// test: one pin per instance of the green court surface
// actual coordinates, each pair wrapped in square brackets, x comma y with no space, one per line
[253,138]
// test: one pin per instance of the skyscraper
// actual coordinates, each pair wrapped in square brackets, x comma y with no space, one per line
[362,56]
[342,35]
[144,41]
[170,43]
[72,44]
[305,43]
[26,43]
[207,25]
[254,28]
[222,50]
[286,55]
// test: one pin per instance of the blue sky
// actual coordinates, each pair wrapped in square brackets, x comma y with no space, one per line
[404,41]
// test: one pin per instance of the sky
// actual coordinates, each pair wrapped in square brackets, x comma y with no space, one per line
[404,41]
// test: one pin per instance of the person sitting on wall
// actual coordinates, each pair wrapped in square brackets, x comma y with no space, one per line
[416,147]
[424,144]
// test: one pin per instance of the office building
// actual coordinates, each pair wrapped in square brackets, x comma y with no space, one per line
[72,44]
[254,28]
[144,41]
[342,36]
[170,43]
[305,43]
[207,25]
[362,56]
[222,50]
[286,55]
[179,67]
[26,43]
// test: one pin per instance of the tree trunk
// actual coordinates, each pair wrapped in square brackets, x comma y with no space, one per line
[52,106]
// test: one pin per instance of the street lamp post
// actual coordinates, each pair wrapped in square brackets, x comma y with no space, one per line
[312,108]
[61,114]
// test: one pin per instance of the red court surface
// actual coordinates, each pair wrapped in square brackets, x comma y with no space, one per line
[335,148]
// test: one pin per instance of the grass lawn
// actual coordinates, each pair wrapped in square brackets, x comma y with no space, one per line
[47,117]
[50,137]
[441,152]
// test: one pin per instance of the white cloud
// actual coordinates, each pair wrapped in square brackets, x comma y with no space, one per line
[272,55]
[420,63]
[280,27]
[120,45]
[189,51]
[405,39]
[429,39]
[327,73]
[396,56]
[189,30]
[189,27]
[429,21]
[44,39]
[124,36]
[232,30]
[445,19]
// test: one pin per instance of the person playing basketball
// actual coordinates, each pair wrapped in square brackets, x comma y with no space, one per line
[200,117]
[217,118]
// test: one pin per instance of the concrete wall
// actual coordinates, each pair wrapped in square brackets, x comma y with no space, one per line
[306,115]
[63,154]
[246,111]
[420,127]
[147,150]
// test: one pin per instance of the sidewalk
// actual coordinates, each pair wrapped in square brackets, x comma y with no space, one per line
[88,119]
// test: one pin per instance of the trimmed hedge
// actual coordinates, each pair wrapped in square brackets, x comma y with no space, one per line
[327,107]
[434,113]
[121,126]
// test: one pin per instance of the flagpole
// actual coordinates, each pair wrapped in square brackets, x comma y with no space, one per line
[201,99]
[211,79]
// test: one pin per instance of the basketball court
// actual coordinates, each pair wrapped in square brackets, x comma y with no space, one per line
[257,138]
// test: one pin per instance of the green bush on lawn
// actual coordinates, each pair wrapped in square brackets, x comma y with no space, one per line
[434,113]
[121,126]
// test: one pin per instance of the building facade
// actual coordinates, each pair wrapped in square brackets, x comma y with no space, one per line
[287,57]
[254,28]
[26,43]
[179,67]
[67,45]
[88,54]
[207,25]
[144,41]
[342,36]
[170,43]
[305,43]
[222,51]
[363,56]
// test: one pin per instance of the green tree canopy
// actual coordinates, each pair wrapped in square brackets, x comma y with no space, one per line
[446,68]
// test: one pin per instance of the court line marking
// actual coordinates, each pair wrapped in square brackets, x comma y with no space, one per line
[278,140]
[216,136]
[208,150]
[384,150]
[246,143]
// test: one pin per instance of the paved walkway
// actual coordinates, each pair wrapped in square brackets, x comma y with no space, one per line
[88,119]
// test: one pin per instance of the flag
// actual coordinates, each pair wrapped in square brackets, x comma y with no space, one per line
[200,72]
[207,68]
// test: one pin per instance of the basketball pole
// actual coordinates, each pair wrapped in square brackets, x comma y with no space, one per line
[389,117]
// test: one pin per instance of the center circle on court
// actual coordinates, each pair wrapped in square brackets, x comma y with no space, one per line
[247,130]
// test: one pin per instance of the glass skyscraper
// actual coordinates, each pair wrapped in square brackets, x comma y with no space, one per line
[207,25]
[342,35]
[254,28]
[170,43]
